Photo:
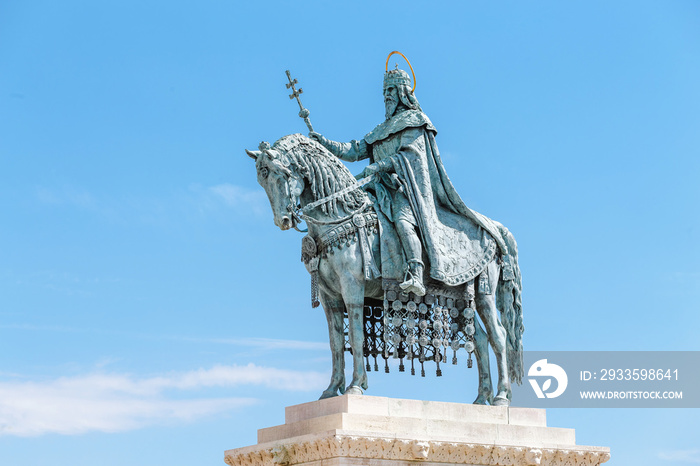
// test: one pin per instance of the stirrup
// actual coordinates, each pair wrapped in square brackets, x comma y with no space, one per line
[413,282]
[412,285]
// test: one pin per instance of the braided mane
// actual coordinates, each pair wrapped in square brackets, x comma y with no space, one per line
[322,170]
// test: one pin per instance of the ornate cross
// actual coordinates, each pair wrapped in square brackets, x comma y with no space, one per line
[303,113]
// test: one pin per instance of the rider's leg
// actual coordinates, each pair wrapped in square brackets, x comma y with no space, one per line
[413,281]
[405,224]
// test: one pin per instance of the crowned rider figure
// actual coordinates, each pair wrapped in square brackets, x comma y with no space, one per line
[413,193]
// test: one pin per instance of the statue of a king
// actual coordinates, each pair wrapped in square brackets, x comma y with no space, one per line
[414,193]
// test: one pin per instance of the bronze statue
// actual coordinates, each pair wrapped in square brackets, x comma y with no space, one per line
[402,241]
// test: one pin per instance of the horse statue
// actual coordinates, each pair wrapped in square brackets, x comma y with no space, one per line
[303,180]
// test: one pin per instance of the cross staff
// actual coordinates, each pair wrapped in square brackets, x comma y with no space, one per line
[303,113]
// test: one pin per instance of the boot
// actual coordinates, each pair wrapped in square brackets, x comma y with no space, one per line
[413,280]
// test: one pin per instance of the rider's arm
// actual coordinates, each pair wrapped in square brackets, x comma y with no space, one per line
[349,151]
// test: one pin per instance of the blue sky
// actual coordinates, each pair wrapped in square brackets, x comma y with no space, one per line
[150,311]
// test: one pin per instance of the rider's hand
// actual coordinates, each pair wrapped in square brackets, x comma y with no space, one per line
[368,171]
[318,137]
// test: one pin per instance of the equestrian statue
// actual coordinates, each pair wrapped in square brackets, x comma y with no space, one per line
[398,254]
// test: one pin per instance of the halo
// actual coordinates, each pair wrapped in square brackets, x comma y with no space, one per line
[386,68]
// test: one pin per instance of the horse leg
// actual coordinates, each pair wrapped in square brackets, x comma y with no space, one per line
[481,344]
[334,315]
[354,297]
[488,312]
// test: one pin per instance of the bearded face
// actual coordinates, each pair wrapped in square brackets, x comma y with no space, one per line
[391,100]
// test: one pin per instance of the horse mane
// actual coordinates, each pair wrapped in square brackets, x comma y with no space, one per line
[325,173]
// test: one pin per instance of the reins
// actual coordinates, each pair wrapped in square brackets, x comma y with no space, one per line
[301,214]
[337,194]
[364,205]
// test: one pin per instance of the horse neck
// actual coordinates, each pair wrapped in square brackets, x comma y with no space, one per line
[324,221]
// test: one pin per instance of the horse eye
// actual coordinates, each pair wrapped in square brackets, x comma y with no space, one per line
[264,172]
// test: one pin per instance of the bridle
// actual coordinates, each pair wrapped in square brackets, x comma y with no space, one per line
[294,208]
[298,214]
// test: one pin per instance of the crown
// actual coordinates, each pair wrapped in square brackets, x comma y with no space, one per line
[397,76]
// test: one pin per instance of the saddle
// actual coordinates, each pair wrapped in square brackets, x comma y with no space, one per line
[401,326]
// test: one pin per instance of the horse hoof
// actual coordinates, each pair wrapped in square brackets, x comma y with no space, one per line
[481,400]
[354,390]
[328,394]
[501,401]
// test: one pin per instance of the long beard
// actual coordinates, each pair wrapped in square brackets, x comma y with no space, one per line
[390,107]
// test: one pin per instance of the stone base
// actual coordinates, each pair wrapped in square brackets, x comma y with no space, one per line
[362,430]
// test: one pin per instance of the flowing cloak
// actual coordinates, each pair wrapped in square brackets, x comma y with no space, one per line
[458,241]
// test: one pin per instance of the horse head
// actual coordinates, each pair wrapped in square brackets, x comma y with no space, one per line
[296,171]
[281,181]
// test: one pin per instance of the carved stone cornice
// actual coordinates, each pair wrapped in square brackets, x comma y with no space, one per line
[342,446]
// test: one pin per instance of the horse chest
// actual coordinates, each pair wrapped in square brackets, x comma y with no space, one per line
[336,269]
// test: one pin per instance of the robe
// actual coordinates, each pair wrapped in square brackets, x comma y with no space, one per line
[458,241]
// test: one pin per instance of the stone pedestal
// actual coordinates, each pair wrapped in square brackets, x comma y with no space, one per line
[378,431]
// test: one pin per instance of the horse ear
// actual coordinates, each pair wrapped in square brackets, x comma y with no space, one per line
[253,154]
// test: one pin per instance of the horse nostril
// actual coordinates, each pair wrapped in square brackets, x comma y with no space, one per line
[286,223]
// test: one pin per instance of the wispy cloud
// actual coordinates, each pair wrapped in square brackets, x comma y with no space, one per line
[263,343]
[80,199]
[160,208]
[236,195]
[61,282]
[258,343]
[120,402]
[65,195]
[41,328]
[232,196]
[685,456]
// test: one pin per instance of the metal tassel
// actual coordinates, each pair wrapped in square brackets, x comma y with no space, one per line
[314,289]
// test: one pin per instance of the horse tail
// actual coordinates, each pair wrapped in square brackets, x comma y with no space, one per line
[509,302]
